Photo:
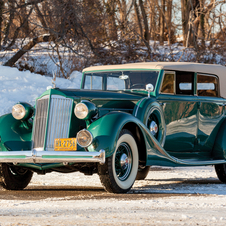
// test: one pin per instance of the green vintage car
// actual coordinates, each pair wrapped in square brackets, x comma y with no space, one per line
[124,119]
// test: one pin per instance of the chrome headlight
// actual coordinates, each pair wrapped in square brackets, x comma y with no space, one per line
[85,110]
[81,111]
[84,138]
[22,111]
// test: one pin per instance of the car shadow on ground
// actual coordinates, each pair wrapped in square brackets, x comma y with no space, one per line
[209,186]
[149,188]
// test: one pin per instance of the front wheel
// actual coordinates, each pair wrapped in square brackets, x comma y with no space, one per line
[221,172]
[14,177]
[119,172]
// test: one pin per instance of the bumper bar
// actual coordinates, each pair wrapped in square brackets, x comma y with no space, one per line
[34,156]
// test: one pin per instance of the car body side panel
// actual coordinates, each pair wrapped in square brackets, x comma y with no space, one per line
[219,148]
[106,132]
[211,112]
[180,113]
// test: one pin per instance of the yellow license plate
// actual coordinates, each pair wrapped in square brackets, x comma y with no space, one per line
[65,144]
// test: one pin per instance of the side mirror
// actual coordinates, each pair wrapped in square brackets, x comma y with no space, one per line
[149,88]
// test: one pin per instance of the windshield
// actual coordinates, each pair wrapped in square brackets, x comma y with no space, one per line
[120,80]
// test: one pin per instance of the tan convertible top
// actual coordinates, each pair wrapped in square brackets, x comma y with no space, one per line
[214,69]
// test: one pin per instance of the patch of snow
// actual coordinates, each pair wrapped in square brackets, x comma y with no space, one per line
[17,86]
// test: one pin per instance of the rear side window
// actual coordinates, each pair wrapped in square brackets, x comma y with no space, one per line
[185,83]
[207,85]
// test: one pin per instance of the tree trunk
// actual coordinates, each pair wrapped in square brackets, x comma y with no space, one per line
[185,19]
[122,13]
[1,20]
[162,22]
[24,20]
[202,24]
[138,19]
[169,20]
[111,22]
[11,17]
[146,35]
[27,47]
[152,18]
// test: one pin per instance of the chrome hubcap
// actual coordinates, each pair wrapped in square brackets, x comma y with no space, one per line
[154,128]
[123,161]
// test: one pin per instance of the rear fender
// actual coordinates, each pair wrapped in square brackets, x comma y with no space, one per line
[14,134]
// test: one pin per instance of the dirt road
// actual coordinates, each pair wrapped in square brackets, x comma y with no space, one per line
[167,197]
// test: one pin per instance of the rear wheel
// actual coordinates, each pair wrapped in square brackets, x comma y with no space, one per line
[119,172]
[142,173]
[221,172]
[14,177]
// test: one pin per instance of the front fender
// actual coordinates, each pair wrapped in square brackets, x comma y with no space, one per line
[106,131]
[14,134]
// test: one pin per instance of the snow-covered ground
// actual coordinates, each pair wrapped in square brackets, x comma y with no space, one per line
[17,86]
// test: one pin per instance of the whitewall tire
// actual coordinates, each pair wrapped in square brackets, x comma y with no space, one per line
[120,170]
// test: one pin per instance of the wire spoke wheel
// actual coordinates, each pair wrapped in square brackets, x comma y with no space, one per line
[123,161]
[119,172]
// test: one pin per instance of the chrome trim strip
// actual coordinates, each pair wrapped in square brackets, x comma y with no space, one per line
[35,156]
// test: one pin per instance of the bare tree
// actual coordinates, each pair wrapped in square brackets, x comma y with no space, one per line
[1,20]
[162,22]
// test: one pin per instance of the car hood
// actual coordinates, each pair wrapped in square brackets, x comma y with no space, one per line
[108,101]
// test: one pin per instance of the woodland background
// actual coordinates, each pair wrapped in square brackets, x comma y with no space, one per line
[67,35]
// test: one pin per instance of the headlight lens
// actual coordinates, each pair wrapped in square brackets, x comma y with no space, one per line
[84,138]
[81,111]
[18,111]
[85,110]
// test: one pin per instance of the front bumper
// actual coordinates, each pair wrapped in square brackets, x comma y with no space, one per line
[35,156]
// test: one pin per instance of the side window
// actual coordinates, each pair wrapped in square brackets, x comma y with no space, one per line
[207,85]
[168,83]
[93,82]
[87,82]
[184,83]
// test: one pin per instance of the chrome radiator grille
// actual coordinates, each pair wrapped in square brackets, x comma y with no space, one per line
[51,121]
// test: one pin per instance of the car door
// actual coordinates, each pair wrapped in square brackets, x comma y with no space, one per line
[210,112]
[180,111]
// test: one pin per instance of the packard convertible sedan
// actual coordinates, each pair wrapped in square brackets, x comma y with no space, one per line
[124,119]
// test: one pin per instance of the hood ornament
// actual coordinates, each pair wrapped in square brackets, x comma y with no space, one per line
[53,82]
